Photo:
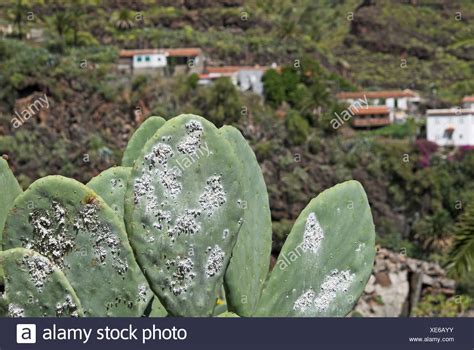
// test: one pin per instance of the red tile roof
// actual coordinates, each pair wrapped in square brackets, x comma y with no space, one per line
[184,52]
[179,52]
[468,98]
[369,110]
[131,53]
[376,94]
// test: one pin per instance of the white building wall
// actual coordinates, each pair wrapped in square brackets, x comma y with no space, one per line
[402,103]
[462,125]
[149,61]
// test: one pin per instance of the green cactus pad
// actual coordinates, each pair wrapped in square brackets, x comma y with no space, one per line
[35,287]
[182,213]
[9,190]
[327,258]
[111,185]
[146,130]
[248,267]
[228,314]
[157,309]
[68,223]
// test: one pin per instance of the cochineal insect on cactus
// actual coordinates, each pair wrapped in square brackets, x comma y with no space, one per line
[182,225]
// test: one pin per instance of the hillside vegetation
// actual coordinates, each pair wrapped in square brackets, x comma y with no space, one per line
[416,191]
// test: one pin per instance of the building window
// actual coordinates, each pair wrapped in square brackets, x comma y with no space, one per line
[448,134]
[139,58]
[147,58]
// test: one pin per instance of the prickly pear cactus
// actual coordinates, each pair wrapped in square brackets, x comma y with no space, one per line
[327,258]
[111,185]
[155,309]
[182,213]
[35,287]
[9,190]
[135,145]
[68,223]
[228,314]
[248,267]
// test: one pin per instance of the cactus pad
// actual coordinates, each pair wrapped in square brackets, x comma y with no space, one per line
[248,267]
[182,213]
[68,223]
[327,258]
[35,287]
[9,190]
[140,137]
[111,185]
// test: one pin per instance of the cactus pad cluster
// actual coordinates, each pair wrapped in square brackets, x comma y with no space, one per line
[182,228]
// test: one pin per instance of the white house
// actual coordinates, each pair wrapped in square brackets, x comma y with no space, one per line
[153,60]
[450,127]
[468,102]
[165,61]
[246,78]
[399,102]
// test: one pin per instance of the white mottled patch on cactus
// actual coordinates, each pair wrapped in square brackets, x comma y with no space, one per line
[215,260]
[142,187]
[169,179]
[116,182]
[157,161]
[105,241]
[304,301]
[162,217]
[192,141]
[213,196]
[360,247]
[50,235]
[225,233]
[15,311]
[313,234]
[39,269]
[181,276]
[67,308]
[186,224]
[142,291]
[160,154]
[336,282]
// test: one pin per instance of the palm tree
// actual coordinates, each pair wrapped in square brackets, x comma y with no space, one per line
[125,19]
[17,12]
[461,258]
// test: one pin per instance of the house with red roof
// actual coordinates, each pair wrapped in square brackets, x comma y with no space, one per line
[400,103]
[164,61]
[370,117]
[246,78]
[450,126]
[468,101]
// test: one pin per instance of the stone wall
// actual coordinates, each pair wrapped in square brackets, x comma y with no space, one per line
[397,283]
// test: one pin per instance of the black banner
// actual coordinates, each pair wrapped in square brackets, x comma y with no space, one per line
[237,333]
